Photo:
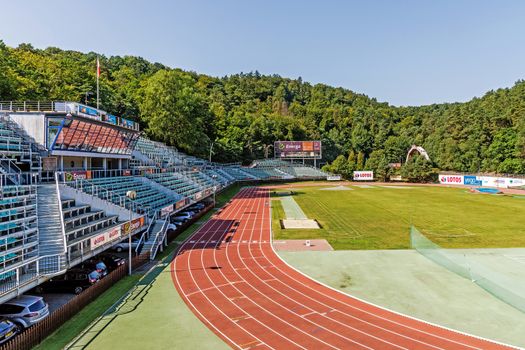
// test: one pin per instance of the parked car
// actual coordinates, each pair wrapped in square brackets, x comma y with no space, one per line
[124,245]
[185,214]
[197,206]
[112,261]
[171,228]
[73,281]
[180,219]
[8,330]
[97,265]
[25,310]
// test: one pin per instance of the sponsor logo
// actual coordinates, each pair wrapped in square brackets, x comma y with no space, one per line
[451,179]
[472,181]
[77,175]
[363,175]
[132,226]
[105,238]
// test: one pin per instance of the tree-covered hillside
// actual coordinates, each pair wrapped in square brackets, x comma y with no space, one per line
[243,114]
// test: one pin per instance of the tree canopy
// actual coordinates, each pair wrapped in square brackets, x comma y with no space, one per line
[243,114]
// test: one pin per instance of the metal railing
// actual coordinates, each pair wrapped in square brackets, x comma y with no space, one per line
[159,237]
[73,108]
[15,278]
[107,195]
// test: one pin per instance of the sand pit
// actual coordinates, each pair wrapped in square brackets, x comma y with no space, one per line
[300,223]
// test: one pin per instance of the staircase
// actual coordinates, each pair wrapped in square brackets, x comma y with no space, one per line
[156,238]
[50,234]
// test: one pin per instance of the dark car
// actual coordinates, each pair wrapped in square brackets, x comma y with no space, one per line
[197,206]
[180,219]
[112,261]
[97,265]
[7,330]
[73,281]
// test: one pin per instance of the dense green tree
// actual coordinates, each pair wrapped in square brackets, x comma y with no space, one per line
[243,114]
[173,112]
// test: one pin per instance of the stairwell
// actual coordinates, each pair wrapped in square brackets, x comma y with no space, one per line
[50,234]
[155,239]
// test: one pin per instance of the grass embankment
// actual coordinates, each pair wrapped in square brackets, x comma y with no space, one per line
[69,330]
[380,218]
[73,327]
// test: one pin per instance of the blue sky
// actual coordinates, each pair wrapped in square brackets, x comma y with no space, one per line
[405,52]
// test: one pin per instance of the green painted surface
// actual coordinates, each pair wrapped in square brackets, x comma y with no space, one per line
[380,217]
[405,281]
[291,209]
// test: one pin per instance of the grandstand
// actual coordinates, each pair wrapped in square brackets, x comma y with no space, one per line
[75,166]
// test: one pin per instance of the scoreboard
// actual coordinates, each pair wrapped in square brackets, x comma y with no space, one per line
[298,149]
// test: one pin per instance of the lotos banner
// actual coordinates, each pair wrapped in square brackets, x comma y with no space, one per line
[451,179]
[105,238]
[166,210]
[363,175]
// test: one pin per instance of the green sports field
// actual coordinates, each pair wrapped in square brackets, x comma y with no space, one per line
[379,217]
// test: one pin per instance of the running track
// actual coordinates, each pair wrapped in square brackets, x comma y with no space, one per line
[231,278]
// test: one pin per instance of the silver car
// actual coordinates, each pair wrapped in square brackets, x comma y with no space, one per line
[25,311]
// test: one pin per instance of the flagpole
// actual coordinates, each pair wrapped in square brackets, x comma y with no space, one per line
[98,77]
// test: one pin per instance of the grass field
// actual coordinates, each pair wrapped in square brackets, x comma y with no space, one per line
[380,217]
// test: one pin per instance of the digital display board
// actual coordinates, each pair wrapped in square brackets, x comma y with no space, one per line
[298,149]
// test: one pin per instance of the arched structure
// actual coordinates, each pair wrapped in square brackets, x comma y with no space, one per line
[419,150]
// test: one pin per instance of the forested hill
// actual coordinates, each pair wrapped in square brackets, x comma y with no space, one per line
[244,113]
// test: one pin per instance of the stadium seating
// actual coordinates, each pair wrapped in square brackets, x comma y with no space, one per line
[148,198]
[82,223]
[176,183]
[18,227]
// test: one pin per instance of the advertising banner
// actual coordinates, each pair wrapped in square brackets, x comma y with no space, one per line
[88,112]
[127,123]
[485,181]
[198,195]
[105,238]
[166,210]
[180,204]
[451,179]
[363,175]
[297,149]
[470,180]
[135,225]
[112,119]
[77,175]
[333,178]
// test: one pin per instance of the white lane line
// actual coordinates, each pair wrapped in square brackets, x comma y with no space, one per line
[262,324]
[199,312]
[376,306]
[286,296]
[273,301]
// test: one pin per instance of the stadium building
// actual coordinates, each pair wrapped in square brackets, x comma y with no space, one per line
[67,172]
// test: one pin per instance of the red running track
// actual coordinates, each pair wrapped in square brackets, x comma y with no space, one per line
[231,278]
